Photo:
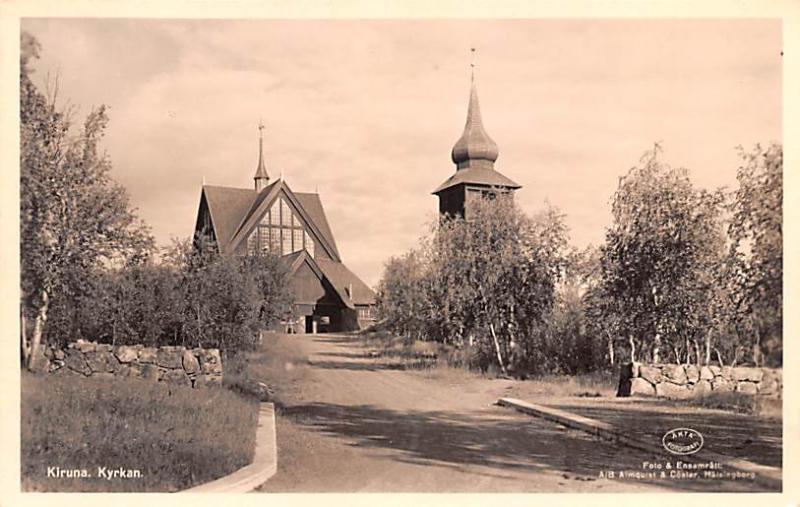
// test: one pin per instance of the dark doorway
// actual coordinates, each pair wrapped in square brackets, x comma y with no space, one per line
[309,324]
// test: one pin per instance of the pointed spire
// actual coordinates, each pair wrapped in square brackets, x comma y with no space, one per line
[475,147]
[261,178]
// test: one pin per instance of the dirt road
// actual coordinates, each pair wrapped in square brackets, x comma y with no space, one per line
[348,422]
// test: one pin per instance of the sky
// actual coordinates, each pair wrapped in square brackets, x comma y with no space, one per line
[366,112]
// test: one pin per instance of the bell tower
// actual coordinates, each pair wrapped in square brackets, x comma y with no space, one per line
[474,155]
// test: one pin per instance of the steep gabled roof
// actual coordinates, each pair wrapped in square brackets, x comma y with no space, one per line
[313,206]
[477,176]
[232,208]
[227,206]
[337,275]
[314,216]
[342,279]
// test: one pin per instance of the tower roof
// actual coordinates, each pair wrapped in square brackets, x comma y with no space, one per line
[474,143]
[261,171]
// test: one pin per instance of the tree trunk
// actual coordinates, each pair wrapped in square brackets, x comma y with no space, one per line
[719,358]
[35,355]
[610,348]
[696,352]
[497,349]
[633,348]
[757,349]
[656,348]
[26,347]
[708,349]
[688,351]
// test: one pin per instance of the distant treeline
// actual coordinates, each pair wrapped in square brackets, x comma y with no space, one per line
[684,275]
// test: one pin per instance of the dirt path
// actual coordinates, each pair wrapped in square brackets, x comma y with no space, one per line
[348,423]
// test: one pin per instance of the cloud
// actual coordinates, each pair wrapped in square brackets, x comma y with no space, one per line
[367,111]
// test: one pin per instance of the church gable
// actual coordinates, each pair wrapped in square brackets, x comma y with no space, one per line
[310,288]
[281,225]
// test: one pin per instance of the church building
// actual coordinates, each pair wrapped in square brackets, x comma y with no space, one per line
[271,218]
[474,155]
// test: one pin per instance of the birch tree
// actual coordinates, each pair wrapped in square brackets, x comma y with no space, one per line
[73,217]
[659,258]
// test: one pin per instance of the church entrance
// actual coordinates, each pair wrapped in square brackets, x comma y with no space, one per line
[311,325]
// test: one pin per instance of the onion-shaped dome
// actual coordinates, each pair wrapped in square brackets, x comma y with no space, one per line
[474,143]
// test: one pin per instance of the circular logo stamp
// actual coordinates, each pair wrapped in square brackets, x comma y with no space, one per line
[682,441]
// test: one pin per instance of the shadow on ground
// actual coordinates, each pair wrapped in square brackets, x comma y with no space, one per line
[500,443]
[747,437]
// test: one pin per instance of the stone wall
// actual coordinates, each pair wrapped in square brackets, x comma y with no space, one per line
[178,365]
[682,381]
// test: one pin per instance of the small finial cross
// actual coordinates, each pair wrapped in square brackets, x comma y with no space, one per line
[472,57]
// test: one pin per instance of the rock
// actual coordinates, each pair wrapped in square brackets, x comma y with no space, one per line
[640,386]
[727,372]
[148,372]
[702,387]
[264,392]
[169,357]
[650,374]
[104,347]
[148,355]
[100,361]
[103,376]
[122,369]
[55,365]
[126,354]
[84,346]
[190,363]
[174,376]
[715,370]
[48,352]
[671,390]
[706,373]
[76,362]
[675,373]
[692,373]
[721,384]
[749,374]
[747,387]
[635,370]
[211,362]
[769,387]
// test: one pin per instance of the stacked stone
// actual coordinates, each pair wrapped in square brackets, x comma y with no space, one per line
[173,364]
[682,381]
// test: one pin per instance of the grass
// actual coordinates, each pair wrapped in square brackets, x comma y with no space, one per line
[275,363]
[443,362]
[762,406]
[584,385]
[176,436]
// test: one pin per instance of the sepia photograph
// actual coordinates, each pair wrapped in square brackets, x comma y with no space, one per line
[443,255]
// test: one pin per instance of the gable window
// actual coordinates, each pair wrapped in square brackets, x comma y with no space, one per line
[280,231]
[252,244]
[286,241]
[286,214]
[309,244]
[275,214]
[263,238]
